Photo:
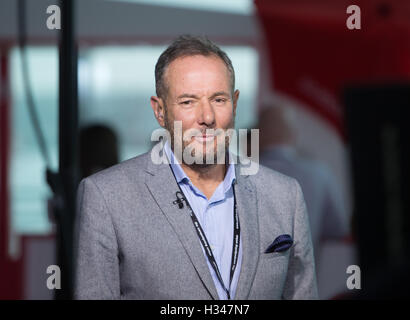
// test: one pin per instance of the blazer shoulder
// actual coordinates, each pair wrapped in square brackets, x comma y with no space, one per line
[133,167]
[271,185]
[267,177]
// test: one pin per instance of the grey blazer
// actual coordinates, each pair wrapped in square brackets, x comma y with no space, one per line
[132,242]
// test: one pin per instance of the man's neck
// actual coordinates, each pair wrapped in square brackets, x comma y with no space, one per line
[206,178]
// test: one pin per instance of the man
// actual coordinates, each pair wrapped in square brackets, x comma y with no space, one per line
[193,230]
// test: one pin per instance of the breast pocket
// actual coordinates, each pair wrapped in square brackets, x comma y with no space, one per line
[272,255]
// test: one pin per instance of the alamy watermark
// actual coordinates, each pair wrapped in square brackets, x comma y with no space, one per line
[54,280]
[54,19]
[208,147]
[354,281]
[354,20]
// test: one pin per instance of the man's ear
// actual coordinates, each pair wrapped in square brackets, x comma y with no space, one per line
[235,101]
[157,105]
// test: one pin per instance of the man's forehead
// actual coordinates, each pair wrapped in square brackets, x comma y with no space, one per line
[196,68]
[196,63]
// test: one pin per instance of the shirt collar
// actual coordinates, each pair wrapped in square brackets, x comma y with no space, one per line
[181,176]
[173,161]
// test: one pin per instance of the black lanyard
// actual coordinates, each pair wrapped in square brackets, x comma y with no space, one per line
[207,248]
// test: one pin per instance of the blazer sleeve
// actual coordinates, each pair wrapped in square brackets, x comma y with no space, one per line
[301,278]
[96,248]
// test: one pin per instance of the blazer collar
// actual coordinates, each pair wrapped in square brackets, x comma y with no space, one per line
[248,218]
[162,186]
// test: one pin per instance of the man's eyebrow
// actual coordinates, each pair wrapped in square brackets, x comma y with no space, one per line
[187,95]
[220,93]
[194,96]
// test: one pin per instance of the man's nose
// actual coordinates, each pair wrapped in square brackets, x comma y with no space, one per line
[207,114]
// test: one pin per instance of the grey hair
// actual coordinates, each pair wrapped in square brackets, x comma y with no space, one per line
[187,45]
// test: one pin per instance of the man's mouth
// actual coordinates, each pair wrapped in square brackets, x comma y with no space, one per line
[205,138]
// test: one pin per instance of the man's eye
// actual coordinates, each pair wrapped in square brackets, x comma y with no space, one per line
[220,100]
[187,102]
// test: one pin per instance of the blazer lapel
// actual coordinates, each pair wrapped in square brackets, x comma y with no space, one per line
[162,186]
[248,218]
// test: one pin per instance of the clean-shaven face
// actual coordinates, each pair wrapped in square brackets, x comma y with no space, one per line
[199,95]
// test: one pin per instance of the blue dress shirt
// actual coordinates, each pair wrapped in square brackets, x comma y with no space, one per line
[216,218]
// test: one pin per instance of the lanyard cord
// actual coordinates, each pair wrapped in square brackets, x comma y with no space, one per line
[205,244]
[208,251]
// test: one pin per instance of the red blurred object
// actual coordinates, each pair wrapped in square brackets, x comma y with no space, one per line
[314,55]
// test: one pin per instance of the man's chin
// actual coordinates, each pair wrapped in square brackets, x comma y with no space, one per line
[201,166]
[208,158]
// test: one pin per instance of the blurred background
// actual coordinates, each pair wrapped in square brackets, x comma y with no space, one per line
[329,101]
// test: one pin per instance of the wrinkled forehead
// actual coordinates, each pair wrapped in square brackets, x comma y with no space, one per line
[197,73]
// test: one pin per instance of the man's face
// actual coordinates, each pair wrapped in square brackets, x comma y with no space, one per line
[199,95]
